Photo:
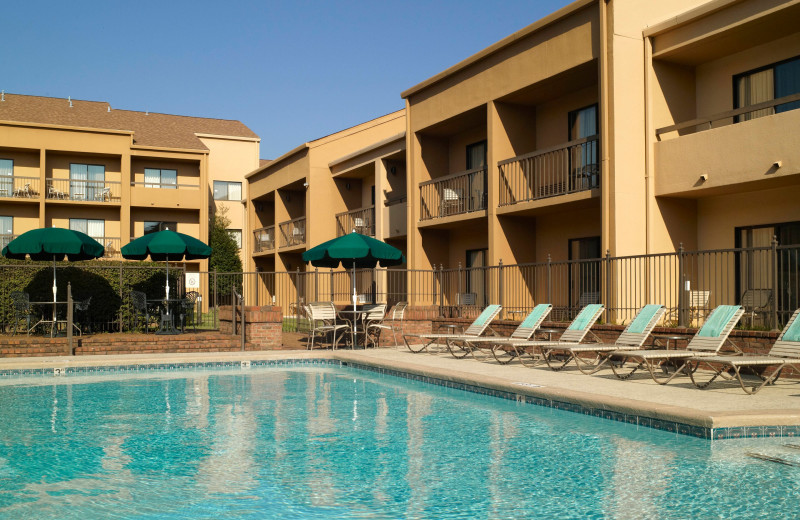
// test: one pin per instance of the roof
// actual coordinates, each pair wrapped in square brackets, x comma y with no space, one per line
[149,129]
[263,162]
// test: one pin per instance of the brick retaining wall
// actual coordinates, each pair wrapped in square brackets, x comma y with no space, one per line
[263,326]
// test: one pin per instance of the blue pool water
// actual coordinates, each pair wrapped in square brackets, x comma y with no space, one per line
[329,442]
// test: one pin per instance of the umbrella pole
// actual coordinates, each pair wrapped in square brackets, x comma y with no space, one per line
[355,316]
[55,290]
[166,288]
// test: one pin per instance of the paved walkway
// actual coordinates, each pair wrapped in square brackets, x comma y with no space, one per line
[723,405]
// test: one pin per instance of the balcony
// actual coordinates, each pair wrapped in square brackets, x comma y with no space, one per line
[82,190]
[359,220]
[568,168]
[264,239]
[749,148]
[165,195]
[19,187]
[293,232]
[112,245]
[5,239]
[456,194]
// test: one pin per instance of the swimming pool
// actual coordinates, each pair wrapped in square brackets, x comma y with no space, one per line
[338,442]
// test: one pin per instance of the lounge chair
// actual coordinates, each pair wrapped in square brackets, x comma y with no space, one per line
[572,336]
[632,338]
[504,349]
[784,353]
[475,330]
[707,342]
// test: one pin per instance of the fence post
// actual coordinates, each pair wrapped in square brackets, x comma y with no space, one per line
[774,282]
[297,292]
[69,319]
[500,286]
[120,295]
[216,300]
[258,270]
[331,284]
[316,284]
[441,288]
[608,286]
[549,280]
[458,294]
[682,310]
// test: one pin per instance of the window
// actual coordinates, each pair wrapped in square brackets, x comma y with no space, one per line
[6,177]
[765,84]
[92,227]
[476,278]
[476,155]
[6,230]
[236,235]
[155,226]
[224,190]
[86,181]
[583,166]
[584,277]
[160,178]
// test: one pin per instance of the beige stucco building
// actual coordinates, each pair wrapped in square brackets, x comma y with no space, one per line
[116,174]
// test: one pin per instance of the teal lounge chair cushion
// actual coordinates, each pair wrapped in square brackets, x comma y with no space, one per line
[643,319]
[586,317]
[534,317]
[718,320]
[793,333]
[487,313]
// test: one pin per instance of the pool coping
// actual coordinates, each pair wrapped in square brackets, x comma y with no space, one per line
[669,418]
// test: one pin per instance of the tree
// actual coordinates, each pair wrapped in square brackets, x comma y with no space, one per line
[225,253]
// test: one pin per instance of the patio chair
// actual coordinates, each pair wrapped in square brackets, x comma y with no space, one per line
[21,303]
[103,195]
[375,314]
[398,313]
[451,201]
[82,315]
[323,321]
[785,352]
[53,193]
[707,342]
[698,307]
[188,309]
[632,338]
[476,329]
[505,349]
[140,308]
[756,302]
[24,191]
[572,335]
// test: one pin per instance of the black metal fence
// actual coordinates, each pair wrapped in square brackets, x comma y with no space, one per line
[765,280]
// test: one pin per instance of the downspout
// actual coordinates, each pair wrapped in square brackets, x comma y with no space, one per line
[605,183]
[648,142]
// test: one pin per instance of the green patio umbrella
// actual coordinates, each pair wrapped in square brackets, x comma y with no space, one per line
[53,243]
[166,245]
[354,249]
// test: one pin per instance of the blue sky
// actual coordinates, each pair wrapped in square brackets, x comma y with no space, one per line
[290,70]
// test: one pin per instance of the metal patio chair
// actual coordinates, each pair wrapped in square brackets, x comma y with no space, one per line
[21,303]
[188,306]
[397,324]
[323,322]
[140,308]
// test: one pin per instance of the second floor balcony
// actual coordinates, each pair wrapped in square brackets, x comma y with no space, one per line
[568,168]
[14,186]
[293,232]
[454,194]
[359,220]
[264,239]
[82,190]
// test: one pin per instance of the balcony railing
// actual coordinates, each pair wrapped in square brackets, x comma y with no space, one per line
[264,239]
[19,187]
[5,239]
[112,245]
[165,185]
[293,232]
[83,190]
[359,220]
[462,192]
[569,168]
[766,108]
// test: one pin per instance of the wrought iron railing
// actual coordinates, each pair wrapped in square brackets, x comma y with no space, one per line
[82,190]
[264,239]
[568,168]
[462,192]
[14,186]
[359,220]
[293,232]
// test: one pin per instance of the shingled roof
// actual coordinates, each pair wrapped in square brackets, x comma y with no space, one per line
[149,129]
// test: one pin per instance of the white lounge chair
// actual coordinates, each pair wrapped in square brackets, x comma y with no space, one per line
[707,342]
[632,338]
[505,349]
[784,353]
[476,329]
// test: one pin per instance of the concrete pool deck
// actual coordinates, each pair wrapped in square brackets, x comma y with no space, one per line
[722,407]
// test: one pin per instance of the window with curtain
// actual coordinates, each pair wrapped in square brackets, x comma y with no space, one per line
[225,190]
[6,177]
[6,230]
[765,84]
[155,226]
[95,228]
[583,165]
[236,235]
[476,155]
[161,178]
[86,181]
